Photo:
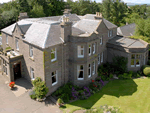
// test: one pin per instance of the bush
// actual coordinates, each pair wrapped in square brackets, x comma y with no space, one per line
[40,88]
[146,70]
[148,62]
[110,109]
[120,64]
[33,96]
[125,76]
[60,101]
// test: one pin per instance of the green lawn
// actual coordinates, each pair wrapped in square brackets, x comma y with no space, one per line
[132,96]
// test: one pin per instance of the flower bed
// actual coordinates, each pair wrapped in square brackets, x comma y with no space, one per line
[69,93]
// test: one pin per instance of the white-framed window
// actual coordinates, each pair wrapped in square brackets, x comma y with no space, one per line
[135,60]
[99,58]
[80,72]
[89,70]
[53,54]
[111,33]
[6,39]
[102,57]
[80,51]
[108,33]
[101,40]
[93,64]
[89,50]
[32,73]
[31,51]
[17,44]
[54,77]
[93,48]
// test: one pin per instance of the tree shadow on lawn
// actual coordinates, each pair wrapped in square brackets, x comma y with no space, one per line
[115,88]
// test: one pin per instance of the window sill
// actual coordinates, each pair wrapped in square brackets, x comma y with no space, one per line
[132,66]
[89,76]
[31,58]
[80,78]
[80,56]
[33,79]
[137,65]
[54,83]
[17,50]
[53,60]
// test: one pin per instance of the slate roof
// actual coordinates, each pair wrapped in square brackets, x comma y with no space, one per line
[107,23]
[127,30]
[45,32]
[87,25]
[126,42]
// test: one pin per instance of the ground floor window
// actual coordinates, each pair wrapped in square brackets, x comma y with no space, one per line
[80,72]
[93,68]
[99,58]
[54,78]
[32,73]
[102,57]
[89,70]
[135,60]
[5,69]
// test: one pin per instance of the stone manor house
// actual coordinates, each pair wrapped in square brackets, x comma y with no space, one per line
[65,48]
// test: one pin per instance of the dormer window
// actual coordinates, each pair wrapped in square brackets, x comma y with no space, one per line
[53,55]
[101,40]
[17,44]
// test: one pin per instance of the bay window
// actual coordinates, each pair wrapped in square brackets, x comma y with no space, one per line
[93,68]
[80,51]
[89,70]
[80,72]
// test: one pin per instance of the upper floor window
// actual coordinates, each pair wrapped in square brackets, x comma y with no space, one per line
[110,33]
[32,73]
[135,60]
[102,57]
[80,51]
[31,51]
[89,50]
[80,72]
[89,70]
[6,39]
[17,44]
[93,48]
[101,40]
[53,54]
[54,78]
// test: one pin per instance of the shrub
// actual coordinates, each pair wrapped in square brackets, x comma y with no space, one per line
[111,75]
[148,62]
[125,76]
[60,101]
[146,70]
[40,88]
[33,96]
[120,64]
[110,109]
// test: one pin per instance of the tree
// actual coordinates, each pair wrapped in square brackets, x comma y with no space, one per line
[37,11]
[23,6]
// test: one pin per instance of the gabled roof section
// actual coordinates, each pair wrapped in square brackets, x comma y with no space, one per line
[23,25]
[127,30]
[107,23]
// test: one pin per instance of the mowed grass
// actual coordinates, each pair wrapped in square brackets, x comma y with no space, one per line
[132,96]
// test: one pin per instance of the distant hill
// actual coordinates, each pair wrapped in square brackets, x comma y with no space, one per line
[133,4]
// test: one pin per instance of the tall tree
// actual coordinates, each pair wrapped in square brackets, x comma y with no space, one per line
[24,6]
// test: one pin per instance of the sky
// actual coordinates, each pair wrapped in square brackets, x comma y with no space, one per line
[127,1]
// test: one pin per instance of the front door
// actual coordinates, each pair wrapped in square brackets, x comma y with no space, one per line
[17,71]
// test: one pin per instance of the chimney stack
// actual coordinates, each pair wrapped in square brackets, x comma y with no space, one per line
[23,16]
[98,15]
[66,28]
